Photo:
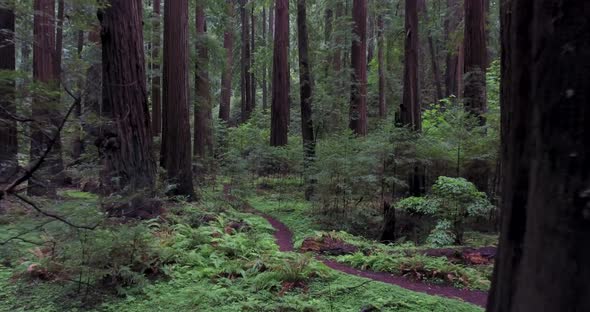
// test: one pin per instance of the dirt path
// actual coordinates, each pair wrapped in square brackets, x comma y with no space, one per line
[284,239]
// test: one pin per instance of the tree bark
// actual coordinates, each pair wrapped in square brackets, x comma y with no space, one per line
[305,85]
[455,56]
[226,79]
[203,136]
[280,87]
[178,162]
[156,79]
[125,143]
[246,85]
[410,109]
[381,63]
[8,131]
[59,38]
[475,58]
[78,141]
[44,109]
[358,102]
[252,49]
[264,68]
[543,259]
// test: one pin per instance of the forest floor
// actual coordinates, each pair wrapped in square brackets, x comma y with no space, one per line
[219,257]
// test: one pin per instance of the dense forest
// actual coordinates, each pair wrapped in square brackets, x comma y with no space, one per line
[295,155]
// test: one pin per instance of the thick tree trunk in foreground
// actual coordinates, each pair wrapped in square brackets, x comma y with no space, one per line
[156,79]
[226,78]
[246,83]
[203,136]
[8,134]
[305,85]
[177,151]
[358,100]
[543,262]
[455,56]
[410,110]
[280,76]
[125,143]
[44,109]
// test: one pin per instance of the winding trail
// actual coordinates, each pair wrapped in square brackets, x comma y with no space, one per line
[284,239]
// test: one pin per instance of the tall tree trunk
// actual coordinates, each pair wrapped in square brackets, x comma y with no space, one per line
[305,85]
[264,67]
[475,58]
[543,262]
[92,96]
[455,56]
[338,39]
[477,170]
[8,134]
[252,49]
[178,162]
[358,101]
[125,144]
[381,63]
[156,79]
[44,109]
[433,57]
[203,136]
[246,85]
[78,141]
[59,38]
[280,76]
[226,79]
[410,109]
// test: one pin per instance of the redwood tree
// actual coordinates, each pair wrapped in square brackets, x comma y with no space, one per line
[410,109]
[543,261]
[305,85]
[203,136]
[475,58]
[358,99]
[381,63]
[246,83]
[280,76]
[125,143]
[44,108]
[455,55]
[8,138]
[156,80]
[226,78]
[177,132]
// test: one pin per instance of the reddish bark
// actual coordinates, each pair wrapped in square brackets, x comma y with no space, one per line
[44,108]
[358,101]
[8,131]
[475,58]
[177,151]
[280,88]
[410,109]
[455,56]
[246,83]
[125,143]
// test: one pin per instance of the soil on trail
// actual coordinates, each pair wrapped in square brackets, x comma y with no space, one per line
[284,239]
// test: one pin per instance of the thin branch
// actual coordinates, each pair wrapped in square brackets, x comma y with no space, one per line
[19,236]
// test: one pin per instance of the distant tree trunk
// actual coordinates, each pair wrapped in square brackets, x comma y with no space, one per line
[475,58]
[203,136]
[246,85]
[477,171]
[125,144]
[8,134]
[59,37]
[433,56]
[264,68]
[358,101]
[280,76]
[305,85]
[410,110]
[381,63]
[156,79]
[455,56]
[543,262]
[178,162]
[92,96]
[252,49]
[43,109]
[338,40]
[226,79]
[78,141]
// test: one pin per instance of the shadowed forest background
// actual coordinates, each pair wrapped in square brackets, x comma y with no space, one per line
[304,155]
